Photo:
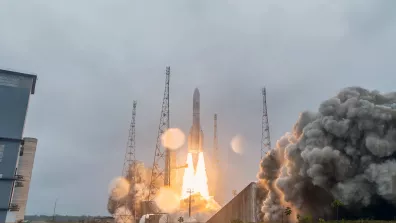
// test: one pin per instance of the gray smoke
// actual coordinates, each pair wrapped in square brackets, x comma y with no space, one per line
[344,151]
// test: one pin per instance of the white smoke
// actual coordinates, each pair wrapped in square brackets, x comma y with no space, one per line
[137,179]
[119,188]
[344,151]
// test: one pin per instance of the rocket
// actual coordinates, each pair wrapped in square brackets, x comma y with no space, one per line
[195,137]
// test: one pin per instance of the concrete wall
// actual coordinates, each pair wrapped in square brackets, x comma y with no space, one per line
[242,207]
[25,167]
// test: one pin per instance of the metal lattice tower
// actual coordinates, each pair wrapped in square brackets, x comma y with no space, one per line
[130,153]
[129,161]
[216,163]
[161,156]
[265,132]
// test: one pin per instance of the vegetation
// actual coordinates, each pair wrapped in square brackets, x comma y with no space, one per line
[287,212]
[320,220]
[304,219]
[336,204]
[61,218]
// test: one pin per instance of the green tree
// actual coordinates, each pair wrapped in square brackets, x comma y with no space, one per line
[304,219]
[236,221]
[336,204]
[287,212]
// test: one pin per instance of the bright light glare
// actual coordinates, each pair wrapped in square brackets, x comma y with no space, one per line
[237,144]
[167,200]
[173,138]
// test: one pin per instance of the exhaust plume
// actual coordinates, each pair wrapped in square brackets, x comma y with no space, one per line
[345,151]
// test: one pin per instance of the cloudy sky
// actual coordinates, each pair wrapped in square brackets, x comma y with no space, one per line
[94,57]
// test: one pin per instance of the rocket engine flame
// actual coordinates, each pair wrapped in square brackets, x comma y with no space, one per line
[201,179]
[189,177]
[195,180]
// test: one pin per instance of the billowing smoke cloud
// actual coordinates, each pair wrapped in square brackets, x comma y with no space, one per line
[345,151]
[138,178]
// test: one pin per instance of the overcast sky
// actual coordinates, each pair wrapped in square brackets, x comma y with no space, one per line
[94,57]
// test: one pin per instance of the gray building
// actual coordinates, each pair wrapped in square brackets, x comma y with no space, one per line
[243,206]
[15,91]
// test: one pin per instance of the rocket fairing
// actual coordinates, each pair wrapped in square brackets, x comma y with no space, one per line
[195,137]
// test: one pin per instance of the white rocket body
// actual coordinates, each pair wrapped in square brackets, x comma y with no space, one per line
[195,137]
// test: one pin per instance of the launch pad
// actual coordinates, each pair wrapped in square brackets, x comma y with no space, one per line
[192,193]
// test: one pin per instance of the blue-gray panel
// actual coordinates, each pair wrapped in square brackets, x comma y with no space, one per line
[10,153]
[13,107]
[15,90]
[5,189]
[10,156]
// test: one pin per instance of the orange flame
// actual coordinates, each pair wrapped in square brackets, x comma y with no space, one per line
[197,181]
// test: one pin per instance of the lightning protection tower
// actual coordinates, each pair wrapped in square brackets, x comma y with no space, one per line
[265,131]
[215,142]
[125,214]
[162,157]
[130,153]
[129,161]
[215,162]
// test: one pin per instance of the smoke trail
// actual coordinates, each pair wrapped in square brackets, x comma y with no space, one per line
[344,151]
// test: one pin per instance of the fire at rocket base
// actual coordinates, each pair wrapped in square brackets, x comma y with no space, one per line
[195,180]
[195,137]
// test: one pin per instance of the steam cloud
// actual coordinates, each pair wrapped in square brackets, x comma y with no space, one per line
[126,206]
[345,151]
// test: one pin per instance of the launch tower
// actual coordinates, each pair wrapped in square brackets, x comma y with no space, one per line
[163,158]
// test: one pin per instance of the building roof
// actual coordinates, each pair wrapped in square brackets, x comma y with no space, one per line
[33,76]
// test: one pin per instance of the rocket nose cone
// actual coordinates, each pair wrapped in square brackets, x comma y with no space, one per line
[196,93]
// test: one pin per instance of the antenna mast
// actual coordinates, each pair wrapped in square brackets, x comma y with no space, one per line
[215,161]
[265,132]
[161,156]
[215,142]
